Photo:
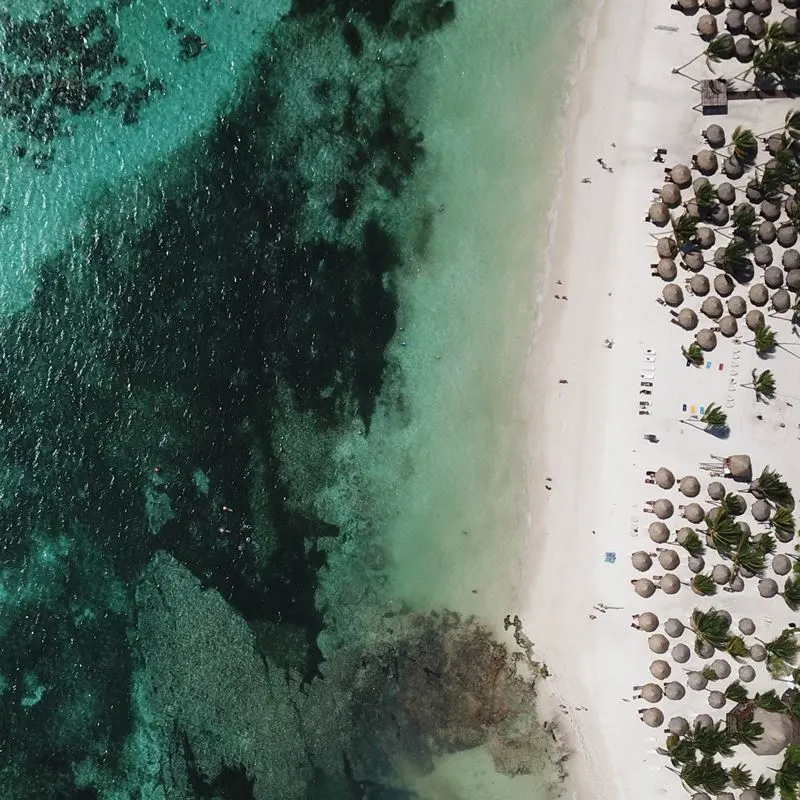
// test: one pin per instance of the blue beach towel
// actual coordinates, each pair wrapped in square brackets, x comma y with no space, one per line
[611,558]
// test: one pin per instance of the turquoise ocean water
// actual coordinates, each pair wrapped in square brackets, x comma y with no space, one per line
[268,284]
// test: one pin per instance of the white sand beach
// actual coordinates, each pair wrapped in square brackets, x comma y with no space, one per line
[628,102]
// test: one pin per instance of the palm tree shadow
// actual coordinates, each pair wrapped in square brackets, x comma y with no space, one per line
[720,433]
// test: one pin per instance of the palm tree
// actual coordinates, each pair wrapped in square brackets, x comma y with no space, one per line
[787,778]
[743,220]
[692,544]
[741,777]
[766,544]
[784,646]
[763,383]
[749,732]
[744,146]
[769,701]
[684,228]
[693,354]
[710,627]
[679,750]
[719,49]
[736,693]
[750,558]
[765,341]
[706,198]
[736,647]
[783,521]
[703,585]
[770,485]
[791,125]
[735,261]
[706,774]
[734,504]
[713,740]
[791,593]
[714,417]
[723,532]
[765,788]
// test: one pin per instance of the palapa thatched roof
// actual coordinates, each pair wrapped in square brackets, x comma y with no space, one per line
[793,280]
[697,681]
[669,559]
[687,319]
[669,584]
[658,532]
[694,513]
[761,510]
[659,213]
[717,699]
[762,255]
[665,478]
[755,26]
[757,651]
[773,277]
[726,193]
[707,29]
[681,175]
[705,237]
[652,693]
[674,690]
[672,294]
[671,195]
[644,587]
[694,261]
[652,716]
[770,209]
[712,307]
[689,485]
[714,134]
[723,285]
[767,232]
[781,301]
[721,667]
[762,7]
[700,285]
[767,587]
[641,561]
[667,247]
[787,235]
[720,574]
[747,626]
[715,6]
[758,294]
[678,726]
[658,643]
[648,621]
[666,269]
[790,204]
[740,467]
[663,508]
[746,675]
[719,214]
[745,49]
[716,491]
[706,339]
[674,627]
[728,326]
[733,168]
[781,564]
[754,320]
[706,161]
[660,669]
[681,653]
[791,259]
[734,21]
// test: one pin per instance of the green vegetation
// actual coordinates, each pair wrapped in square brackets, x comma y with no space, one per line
[763,384]
[714,416]
[693,354]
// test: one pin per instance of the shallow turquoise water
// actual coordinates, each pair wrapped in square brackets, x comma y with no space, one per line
[253,385]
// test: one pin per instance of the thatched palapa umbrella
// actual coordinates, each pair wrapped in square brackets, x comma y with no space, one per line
[755,26]
[660,669]
[707,30]
[758,294]
[717,699]
[681,175]
[754,320]
[723,285]
[767,587]
[793,280]
[761,510]
[715,6]
[641,561]
[787,235]
[706,340]
[674,627]
[744,49]
[758,652]
[706,238]
[714,134]
[762,255]
[781,564]
[698,184]
[781,301]
[746,674]
[697,681]
[726,193]
[671,195]
[791,260]
[667,247]
[658,643]
[737,584]
[672,294]
[767,232]
[652,716]
[674,690]
[741,5]
[719,214]
[728,326]
[773,277]
[734,22]
[659,213]
[712,307]
[720,574]
[644,587]
[658,532]
[699,285]
[669,559]
[775,143]
[694,513]
[664,478]
[747,626]
[648,621]
[669,583]
[706,162]
[666,269]
[762,7]
[681,653]
[689,485]
[733,168]
[721,667]
[694,261]
[678,726]
[687,319]
[716,491]
[652,693]
[770,209]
